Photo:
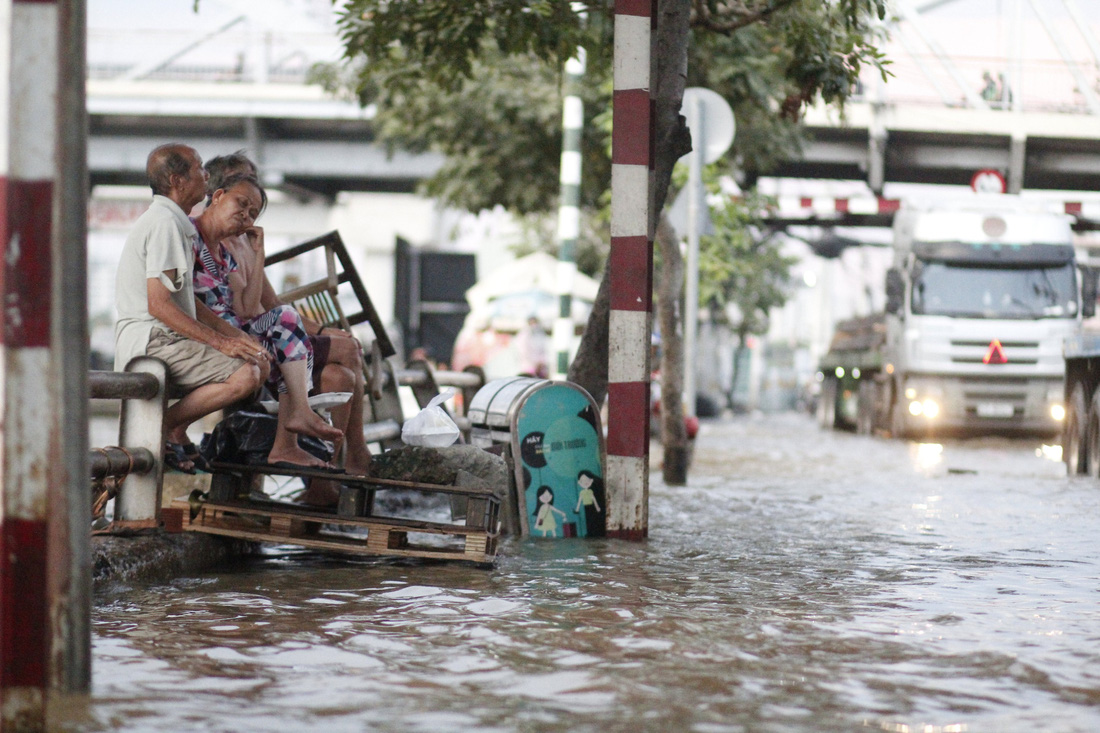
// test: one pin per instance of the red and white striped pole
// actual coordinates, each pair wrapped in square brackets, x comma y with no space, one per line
[631,272]
[28,95]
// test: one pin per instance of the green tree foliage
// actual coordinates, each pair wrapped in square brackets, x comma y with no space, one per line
[440,41]
[479,81]
[742,264]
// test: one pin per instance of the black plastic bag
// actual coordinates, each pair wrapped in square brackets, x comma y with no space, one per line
[246,437]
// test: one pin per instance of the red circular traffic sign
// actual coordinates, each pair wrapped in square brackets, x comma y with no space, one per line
[988,180]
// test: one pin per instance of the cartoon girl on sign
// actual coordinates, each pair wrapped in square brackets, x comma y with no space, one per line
[545,521]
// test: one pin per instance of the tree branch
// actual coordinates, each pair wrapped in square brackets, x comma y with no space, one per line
[737,15]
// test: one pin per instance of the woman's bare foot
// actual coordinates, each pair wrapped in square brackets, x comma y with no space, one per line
[357,467]
[311,423]
[297,456]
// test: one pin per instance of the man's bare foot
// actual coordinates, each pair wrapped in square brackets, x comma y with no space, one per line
[357,468]
[177,435]
[312,424]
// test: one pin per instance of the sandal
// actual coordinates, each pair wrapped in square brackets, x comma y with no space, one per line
[192,454]
[175,457]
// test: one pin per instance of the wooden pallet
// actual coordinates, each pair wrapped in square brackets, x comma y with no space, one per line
[230,510]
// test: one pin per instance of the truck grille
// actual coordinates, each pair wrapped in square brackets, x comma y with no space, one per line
[995,396]
[1019,352]
[1001,381]
[1005,344]
[980,360]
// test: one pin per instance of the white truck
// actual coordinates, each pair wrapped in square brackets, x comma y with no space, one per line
[980,298]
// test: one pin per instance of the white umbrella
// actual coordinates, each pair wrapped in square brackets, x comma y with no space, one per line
[537,272]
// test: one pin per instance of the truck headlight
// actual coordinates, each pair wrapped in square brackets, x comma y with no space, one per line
[931,408]
[915,408]
[1058,412]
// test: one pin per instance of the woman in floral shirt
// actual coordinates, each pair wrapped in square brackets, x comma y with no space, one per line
[226,290]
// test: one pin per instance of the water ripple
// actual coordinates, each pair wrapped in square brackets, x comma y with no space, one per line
[803,581]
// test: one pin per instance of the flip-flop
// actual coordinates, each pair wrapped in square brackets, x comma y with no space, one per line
[300,467]
[195,457]
[175,457]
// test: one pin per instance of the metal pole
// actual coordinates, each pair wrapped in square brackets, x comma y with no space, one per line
[28,159]
[1083,85]
[1083,26]
[569,212]
[631,273]
[696,200]
[141,425]
[907,12]
[70,514]
[1017,56]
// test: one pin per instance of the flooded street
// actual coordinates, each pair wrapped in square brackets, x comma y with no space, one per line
[803,581]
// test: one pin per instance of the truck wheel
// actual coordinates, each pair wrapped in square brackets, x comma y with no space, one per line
[826,408]
[1074,443]
[1091,459]
[865,412]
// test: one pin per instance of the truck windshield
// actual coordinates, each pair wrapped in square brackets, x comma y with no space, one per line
[985,292]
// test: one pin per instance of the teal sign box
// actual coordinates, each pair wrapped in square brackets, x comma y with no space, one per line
[558,444]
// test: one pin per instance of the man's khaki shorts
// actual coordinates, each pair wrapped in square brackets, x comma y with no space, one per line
[190,363]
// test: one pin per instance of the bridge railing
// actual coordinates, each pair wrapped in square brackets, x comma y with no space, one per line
[1041,86]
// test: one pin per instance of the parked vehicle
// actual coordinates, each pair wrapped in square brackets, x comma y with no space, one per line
[979,300]
[1081,434]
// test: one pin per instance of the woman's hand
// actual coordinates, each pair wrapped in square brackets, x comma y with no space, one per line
[255,237]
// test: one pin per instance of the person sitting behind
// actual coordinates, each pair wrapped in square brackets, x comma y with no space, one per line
[338,359]
[213,364]
[532,345]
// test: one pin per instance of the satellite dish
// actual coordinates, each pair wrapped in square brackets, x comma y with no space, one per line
[717,128]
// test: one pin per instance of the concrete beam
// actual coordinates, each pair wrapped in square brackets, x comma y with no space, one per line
[308,158]
[208,99]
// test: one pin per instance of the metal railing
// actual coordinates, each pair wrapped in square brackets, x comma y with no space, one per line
[131,472]
[424,381]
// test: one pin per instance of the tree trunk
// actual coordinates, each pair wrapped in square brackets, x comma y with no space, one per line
[738,352]
[673,432]
[589,367]
[673,141]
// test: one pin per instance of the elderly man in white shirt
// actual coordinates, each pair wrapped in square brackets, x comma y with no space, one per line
[214,364]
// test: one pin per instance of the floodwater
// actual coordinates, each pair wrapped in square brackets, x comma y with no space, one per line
[803,581]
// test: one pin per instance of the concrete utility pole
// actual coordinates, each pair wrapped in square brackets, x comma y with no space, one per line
[631,273]
[44,594]
[70,508]
[693,107]
[569,211]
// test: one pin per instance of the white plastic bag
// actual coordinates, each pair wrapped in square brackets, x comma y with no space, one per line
[432,427]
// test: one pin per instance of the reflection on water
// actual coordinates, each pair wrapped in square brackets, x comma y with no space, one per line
[929,456]
[803,581]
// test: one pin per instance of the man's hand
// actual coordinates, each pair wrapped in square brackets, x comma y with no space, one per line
[337,332]
[242,347]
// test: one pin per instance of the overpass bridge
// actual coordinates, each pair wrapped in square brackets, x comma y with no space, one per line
[239,80]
